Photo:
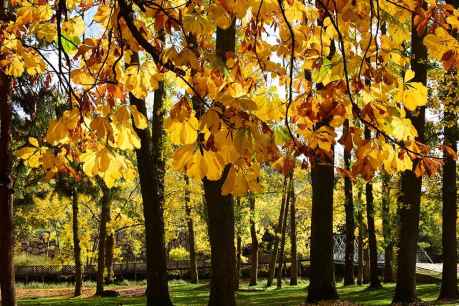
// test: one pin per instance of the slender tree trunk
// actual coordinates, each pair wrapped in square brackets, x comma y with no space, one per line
[272,264]
[253,236]
[373,248]
[349,210]
[281,259]
[7,281]
[386,220]
[360,238]
[238,261]
[405,290]
[374,278]
[191,240]
[449,289]
[322,282]
[150,164]
[366,265]
[237,271]
[109,245]
[76,244]
[293,243]
[104,214]
[220,211]
[449,193]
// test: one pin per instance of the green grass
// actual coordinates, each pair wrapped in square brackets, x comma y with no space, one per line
[187,294]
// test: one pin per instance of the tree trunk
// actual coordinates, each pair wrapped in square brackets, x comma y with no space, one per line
[191,240]
[237,271]
[293,243]
[272,264]
[448,289]
[76,244]
[7,281]
[405,290]
[366,265]
[109,245]
[104,214]
[253,236]
[238,261]
[220,210]
[360,238]
[150,164]
[281,259]
[386,220]
[374,278]
[322,282]
[349,210]
[373,248]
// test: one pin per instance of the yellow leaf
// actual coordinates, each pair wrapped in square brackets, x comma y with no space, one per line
[57,132]
[139,119]
[34,142]
[14,66]
[30,155]
[102,14]
[230,182]
[414,96]
[197,24]
[102,127]
[126,138]
[409,75]
[46,31]
[221,16]
[34,64]
[74,27]
[90,163]
[80,76]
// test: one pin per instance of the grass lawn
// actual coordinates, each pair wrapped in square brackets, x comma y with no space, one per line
[188,294]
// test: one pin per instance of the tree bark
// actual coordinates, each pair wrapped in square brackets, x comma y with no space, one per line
[191,240]
[293,242]
[254,239]
[322,281]
[150,165]
[281,259]
[109,245]
[366,265]
[76,244]
[350,224]
[7,276]
[104,214]
[386,220]
[238,261]
[220,211]
[448,289]
[237,271]
[274,253]
[360,238]
[372,244]
[405,290]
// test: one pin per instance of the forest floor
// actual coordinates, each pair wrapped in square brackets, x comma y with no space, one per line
[188,294]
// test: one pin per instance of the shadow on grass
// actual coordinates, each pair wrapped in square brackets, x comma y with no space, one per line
[191,294]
